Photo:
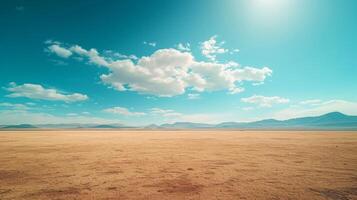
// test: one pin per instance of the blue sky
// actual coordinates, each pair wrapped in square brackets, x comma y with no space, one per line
[141,62]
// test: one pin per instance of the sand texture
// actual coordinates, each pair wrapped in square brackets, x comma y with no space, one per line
[178,165]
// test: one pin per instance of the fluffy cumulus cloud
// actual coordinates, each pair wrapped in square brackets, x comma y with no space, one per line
[164,73]
[210,48]
[320,108]
[171,72]
[60,51]
[35,91]
[123,111]
[216,76]
[264,101]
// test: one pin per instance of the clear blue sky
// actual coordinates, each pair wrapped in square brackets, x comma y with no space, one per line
[166,61]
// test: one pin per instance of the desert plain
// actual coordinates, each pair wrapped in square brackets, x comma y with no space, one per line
[185,164]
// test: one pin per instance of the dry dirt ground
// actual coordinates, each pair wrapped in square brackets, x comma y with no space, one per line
[178,165]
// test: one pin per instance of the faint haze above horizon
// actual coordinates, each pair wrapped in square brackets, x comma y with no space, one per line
[141,62]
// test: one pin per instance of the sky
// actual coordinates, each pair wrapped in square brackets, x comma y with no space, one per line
[143,62]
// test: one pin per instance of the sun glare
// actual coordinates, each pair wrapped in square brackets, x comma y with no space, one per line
[269,13]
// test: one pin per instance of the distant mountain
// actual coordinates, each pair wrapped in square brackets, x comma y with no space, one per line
[188,125]
[152,126]
[65,126]
[19,126]
[104,126]
[329,119]
[110,126]
[257,124]
[332,121]
[59,126]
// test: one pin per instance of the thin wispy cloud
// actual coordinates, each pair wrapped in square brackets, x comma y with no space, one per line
[193,96]
[183,46]
[153,44]
[311,102]
[265,101]
[15,106]
[123,111]
[36,91]
[30,117]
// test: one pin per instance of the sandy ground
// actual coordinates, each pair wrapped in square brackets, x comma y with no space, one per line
[178,165]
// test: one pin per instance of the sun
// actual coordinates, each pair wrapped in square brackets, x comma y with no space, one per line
[269,13]
[270,6]
[269,3]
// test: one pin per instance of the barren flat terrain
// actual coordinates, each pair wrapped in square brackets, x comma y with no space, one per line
[178,165]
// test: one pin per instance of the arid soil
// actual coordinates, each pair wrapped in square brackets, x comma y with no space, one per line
[178,165]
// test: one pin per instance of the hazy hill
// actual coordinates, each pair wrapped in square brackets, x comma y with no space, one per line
[333,120]
[19,126]
[179,125]
[152,126]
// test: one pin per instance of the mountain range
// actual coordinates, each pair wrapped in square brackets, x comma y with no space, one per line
[333,121]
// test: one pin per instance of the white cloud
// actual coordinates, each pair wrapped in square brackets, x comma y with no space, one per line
[234,51]
[153,44]
[216,76]
[26,117]
[164,112]
[169,72]
[123,111]
[161,74]
[111,53]
[236,90]
[171,116]
[247,108]
[258,83]
[34,91]
[151,98]
[60,51]
[183,47]
[263,101]
[233,64]
[193,96]
[166,115]
[346,107]
[311,102]
[132,57]
[91,54]
[211,48]
[16,106]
